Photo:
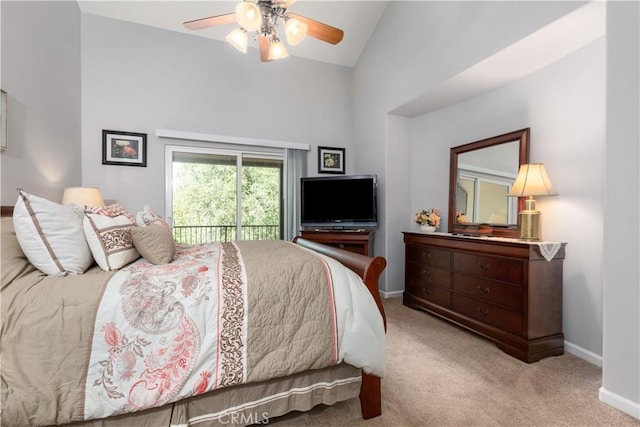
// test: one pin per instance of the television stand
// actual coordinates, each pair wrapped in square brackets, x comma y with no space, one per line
[358,241]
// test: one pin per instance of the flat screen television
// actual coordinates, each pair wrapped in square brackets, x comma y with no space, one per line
[339,202]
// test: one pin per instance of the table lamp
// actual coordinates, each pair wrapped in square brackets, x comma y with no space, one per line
[532,180]
[83,196]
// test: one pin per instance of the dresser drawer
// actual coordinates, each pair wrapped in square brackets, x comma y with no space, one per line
[489,290]
[488,313]
[507,270]
[434,294]
[427,273]
[429,255]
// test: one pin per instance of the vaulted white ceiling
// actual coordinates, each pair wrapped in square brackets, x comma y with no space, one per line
[356,18]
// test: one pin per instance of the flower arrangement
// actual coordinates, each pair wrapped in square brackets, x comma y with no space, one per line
[460,217]
[428,217]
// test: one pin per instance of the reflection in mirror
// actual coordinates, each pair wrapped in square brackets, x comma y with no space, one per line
[484,179]
[481,175]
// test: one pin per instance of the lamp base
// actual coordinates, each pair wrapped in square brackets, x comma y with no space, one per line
[528,221]
[528,225]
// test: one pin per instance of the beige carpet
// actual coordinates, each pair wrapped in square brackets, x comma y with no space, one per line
[441,375]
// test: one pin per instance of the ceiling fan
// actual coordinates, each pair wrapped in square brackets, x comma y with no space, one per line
[263,17]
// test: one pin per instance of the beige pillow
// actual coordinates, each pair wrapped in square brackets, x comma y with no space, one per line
[154,243]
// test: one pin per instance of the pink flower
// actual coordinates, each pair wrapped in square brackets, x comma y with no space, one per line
[111,334]
[189,283]
[203,383]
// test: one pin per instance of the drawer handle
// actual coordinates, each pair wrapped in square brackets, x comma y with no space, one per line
[483,290]
[425,273]
[483,311]
[484,267]
[426,255]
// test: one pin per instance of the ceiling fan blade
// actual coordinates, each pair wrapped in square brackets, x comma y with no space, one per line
[320,31]
[264,48]
[198,24]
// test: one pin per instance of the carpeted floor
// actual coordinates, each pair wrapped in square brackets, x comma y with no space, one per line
[441,375]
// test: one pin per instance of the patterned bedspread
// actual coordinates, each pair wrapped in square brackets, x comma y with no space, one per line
[219,315]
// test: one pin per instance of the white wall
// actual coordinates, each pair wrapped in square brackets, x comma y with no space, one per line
[137,78]
[563,104]
[621,249]
[416,47]
[434,50]
[41,75]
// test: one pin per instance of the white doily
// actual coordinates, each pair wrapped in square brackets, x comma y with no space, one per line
[549,249]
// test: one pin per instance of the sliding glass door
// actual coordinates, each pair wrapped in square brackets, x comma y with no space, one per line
[224,195]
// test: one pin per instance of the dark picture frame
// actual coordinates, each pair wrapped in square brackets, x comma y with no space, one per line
[3,120]
[331,160]
[124,148]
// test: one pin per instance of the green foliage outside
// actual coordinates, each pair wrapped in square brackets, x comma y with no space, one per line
[205,195]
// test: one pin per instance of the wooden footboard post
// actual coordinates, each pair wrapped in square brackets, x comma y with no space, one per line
[370,396]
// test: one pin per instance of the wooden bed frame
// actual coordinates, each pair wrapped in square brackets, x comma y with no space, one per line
[370,269]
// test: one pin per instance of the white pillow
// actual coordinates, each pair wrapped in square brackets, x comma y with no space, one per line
[148,217]
[110,240]
[50,235]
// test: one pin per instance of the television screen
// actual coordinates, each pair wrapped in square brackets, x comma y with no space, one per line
[339,202]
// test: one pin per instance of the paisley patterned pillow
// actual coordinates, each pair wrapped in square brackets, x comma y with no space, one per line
[110,240]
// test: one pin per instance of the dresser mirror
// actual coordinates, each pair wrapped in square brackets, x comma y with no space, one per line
[480,176]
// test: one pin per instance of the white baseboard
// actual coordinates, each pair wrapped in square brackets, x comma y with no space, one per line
[621,403]
[394,294]
[583,353]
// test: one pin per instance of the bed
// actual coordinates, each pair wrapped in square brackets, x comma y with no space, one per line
[206,339]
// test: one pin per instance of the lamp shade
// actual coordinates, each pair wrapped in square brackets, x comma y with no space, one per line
[83,196]
[277,50]
[532,180]
[296,31]
[248,16]
[238,38]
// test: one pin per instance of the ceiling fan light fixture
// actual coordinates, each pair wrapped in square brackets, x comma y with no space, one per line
[296,31]
[239,39]
[248,16]
[277,50]
[264,19]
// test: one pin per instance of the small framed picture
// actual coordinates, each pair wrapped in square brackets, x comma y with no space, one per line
[3,120]
[330,160]
[124,148]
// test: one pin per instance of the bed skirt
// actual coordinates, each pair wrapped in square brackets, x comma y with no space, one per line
[248,404]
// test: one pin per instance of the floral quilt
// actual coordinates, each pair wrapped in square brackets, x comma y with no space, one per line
[166,332]
[103,343]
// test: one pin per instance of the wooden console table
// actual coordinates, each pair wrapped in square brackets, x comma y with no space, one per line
[502,289]
[360,242]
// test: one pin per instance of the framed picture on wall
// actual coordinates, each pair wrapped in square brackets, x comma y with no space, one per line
[124,148]
[3,120]
[331,160]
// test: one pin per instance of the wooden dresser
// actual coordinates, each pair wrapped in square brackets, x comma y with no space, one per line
[502,289]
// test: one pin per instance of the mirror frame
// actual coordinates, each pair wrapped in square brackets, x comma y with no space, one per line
[500,230]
